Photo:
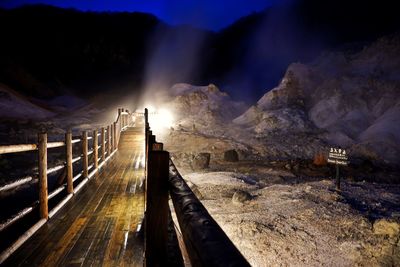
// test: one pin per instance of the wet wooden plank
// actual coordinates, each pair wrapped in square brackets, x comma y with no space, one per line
[98,227]
[63,244]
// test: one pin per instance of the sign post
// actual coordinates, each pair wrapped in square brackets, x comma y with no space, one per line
[338,157]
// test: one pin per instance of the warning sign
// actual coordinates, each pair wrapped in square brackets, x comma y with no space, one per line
[337,156]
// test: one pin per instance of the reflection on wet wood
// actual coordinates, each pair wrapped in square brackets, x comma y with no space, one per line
[98,226]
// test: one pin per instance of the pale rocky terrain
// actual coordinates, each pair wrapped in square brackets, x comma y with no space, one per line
[287,212]
[306,224]
[278,207]
[345,99]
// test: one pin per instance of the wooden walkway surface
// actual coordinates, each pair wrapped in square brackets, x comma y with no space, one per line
[99,226]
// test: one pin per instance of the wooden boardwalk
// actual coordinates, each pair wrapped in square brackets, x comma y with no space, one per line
[99,226]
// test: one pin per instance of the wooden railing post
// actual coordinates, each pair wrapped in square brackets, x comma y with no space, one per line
[111,138]
[95,149]
[121,122]
[146,118]
[114,127]
[85,154]
[108,141]
[156,229]
[43,201]
[157,146]
[68,153]
[103,144]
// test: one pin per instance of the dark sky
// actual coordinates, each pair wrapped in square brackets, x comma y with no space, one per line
[210,14]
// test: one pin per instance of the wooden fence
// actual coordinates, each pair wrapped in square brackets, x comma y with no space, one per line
[104,145]
[202,239]
[200,236]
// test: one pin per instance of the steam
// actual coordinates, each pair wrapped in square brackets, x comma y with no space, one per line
[173,58]
[279,40]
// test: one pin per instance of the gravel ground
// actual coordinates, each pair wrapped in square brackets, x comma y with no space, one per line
[306,224]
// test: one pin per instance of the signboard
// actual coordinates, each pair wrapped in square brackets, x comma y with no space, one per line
[337,156]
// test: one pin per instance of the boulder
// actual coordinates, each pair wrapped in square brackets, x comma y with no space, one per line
[240,197]
[231,155]
[201,161]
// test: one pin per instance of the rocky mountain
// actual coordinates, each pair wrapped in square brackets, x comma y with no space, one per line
[202,106]
[345,99]
[50,51]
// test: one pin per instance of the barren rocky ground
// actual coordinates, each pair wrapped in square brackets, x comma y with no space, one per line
[305,224]
[287,212]
[277,205]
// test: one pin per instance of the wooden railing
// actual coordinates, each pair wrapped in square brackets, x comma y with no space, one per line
[104,145]
[202,239]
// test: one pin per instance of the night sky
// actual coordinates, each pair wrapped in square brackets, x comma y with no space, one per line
[210,14]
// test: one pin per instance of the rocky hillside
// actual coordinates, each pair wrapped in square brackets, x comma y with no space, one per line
[203,106]
[46,50]
[345,99]
[14,105]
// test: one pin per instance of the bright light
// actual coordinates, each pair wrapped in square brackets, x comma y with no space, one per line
[160,120]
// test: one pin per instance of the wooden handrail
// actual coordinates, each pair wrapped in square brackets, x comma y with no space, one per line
[7,149]
[18,182]
[55,144]
[205,242]
[112,133]
[156,209]
[17,148]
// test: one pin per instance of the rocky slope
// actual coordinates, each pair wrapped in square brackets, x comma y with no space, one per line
[204,106]
[14,105]
[349,100]
[21,117]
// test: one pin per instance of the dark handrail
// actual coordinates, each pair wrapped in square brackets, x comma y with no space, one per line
[206,242]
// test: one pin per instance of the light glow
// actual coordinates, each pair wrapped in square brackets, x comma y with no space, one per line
[160,120]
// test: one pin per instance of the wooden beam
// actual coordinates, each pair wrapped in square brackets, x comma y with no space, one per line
[115,135]
[103,144]
[43,202]
[206,243]
[55,144]
[108,141]
[68,154]
[111,135]
[85,154]
[17,148]
[156,228]
[95,149]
